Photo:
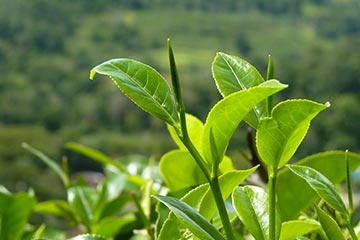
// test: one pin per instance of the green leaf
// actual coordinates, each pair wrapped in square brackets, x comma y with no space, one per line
[329,225]
[88,237]
[251,205]
[172,226]
[110,226]
[227,114]
[82,199]
[114,206]
[180,170]
[288,184]
[143,85]
[292,229]
[94,155]
[196,223]
[279,136]
[56,207]
[201,199]
[195,128]
[321,185]
[227,182]
[15,210]
[50,163]
[233,74]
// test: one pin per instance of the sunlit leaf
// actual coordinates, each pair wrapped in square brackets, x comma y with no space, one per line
[227,182]
[321,185]
[227,114]
[279,136]
[172,226]
[180,170]
[196,223]
[201,199]
[288,184]
[251,205]
[143,85]
[195,128]
[233,74]
[290,230]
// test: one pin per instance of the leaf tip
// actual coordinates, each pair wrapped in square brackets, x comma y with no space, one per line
[327,104]
[92,74]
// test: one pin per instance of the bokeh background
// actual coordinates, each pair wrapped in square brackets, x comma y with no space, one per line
[47,49]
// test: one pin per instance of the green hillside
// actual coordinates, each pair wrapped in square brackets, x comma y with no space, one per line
[48,47]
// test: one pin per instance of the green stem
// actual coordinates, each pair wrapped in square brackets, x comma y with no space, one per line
[196,155]
[215,188]
[272,205]
[350,199]
[351,231]
[184,136]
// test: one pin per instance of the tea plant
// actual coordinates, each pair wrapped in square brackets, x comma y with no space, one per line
[117,206]
[216,207]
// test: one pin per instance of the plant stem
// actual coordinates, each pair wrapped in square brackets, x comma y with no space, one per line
[215,188]
[351,231]
[350,199]
[272,204]
[184,136]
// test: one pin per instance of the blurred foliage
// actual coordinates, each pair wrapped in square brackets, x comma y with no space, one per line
[48,47]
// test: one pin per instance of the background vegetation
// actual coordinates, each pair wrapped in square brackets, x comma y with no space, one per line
[48,47]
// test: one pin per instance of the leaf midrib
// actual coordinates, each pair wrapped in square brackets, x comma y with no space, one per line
[147,91]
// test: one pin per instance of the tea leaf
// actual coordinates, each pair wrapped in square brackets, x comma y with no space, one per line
[180,170]
[279,136]
[95,155]
[143,85]
[172,226]
[88,237]
[50,163]
[288,184]
[82,200]
[227,182]
[251,205]
[227,114]
[322,186]
[202,200]
[15,210]
[195,129]
[56,207]
[292,229]
[233,74]
[110,226]
[196,223]
[329,225]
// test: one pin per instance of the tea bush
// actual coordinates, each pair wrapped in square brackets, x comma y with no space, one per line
[200,194]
